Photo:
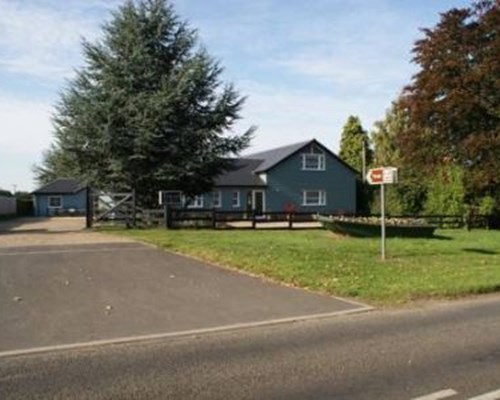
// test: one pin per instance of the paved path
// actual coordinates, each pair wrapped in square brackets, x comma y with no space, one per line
[450,350]
[62,295]
[50,231]
[39,224]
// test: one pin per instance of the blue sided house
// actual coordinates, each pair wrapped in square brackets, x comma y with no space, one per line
[64,196]
[302,177]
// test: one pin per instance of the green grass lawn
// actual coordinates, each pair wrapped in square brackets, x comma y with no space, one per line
[456,263]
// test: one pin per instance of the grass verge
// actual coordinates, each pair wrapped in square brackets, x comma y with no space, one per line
[456,263]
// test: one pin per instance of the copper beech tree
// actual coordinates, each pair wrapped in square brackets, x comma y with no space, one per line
[453,102]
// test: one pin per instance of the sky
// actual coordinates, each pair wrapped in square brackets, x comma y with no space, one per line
[304,66]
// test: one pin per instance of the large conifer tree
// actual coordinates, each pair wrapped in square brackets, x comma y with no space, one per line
[148,110]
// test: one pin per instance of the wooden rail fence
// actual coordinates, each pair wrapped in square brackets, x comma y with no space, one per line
[218,219]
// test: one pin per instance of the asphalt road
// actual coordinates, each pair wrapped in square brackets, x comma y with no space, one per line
[451,350]
[62,295]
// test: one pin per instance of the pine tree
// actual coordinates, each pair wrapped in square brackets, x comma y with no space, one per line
[148,110]
[352,141]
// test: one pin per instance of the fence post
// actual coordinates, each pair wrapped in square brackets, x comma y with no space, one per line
[134,210]
[214,219]
[290,221]
[254,219]
[166,216]
[89,208]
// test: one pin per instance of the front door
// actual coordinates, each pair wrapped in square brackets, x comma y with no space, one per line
[258,201]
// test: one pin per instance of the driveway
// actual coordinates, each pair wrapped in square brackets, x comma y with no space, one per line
[95,287]
[39,224]
[31,231]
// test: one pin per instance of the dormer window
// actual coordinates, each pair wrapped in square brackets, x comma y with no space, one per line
[313,162]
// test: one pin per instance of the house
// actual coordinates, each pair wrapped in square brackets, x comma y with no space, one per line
[7,203]
[64,196]
[303,177]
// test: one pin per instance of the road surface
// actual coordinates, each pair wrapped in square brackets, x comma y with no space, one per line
[53,295]
[449,350]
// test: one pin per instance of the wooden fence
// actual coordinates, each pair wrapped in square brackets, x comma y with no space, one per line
[111,208]
[218,219]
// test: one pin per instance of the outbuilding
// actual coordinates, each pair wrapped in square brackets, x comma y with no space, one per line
[63,196]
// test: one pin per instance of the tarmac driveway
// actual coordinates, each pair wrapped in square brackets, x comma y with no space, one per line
[104,289]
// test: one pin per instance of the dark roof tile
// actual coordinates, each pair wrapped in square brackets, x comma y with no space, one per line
[246,170]
[241,174]
[274,156]
[61,186]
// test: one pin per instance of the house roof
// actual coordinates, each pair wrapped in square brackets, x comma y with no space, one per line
[241,174]
[246,170]
[274,156]
[61,186]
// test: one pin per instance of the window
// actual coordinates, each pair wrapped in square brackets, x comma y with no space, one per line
[216,199]
[235,199]
[196,202]
[313,198]
[171,198]
[313,162]
[55,202]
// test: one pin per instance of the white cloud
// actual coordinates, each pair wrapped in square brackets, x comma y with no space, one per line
[43,41]
[374,51]
[285,115]
[350,73]
[26,125]
[25,133]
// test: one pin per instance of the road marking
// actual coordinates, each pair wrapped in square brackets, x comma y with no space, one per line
[442,394]
[495,395]
[96,250]
[193,332]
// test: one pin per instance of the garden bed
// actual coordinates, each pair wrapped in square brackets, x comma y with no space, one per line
[370,227]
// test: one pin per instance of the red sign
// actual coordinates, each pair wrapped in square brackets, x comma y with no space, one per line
[375,176]
[379,176]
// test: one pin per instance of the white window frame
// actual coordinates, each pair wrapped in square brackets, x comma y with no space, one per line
[196,202]
[55,197]
[164,194]
[321,198]
[217,195]
[238,199]
[254,193]
[320,159]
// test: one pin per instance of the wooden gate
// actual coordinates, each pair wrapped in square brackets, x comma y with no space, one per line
[111,208]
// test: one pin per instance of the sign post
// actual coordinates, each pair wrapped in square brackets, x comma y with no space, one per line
[382,176]
[382,221]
